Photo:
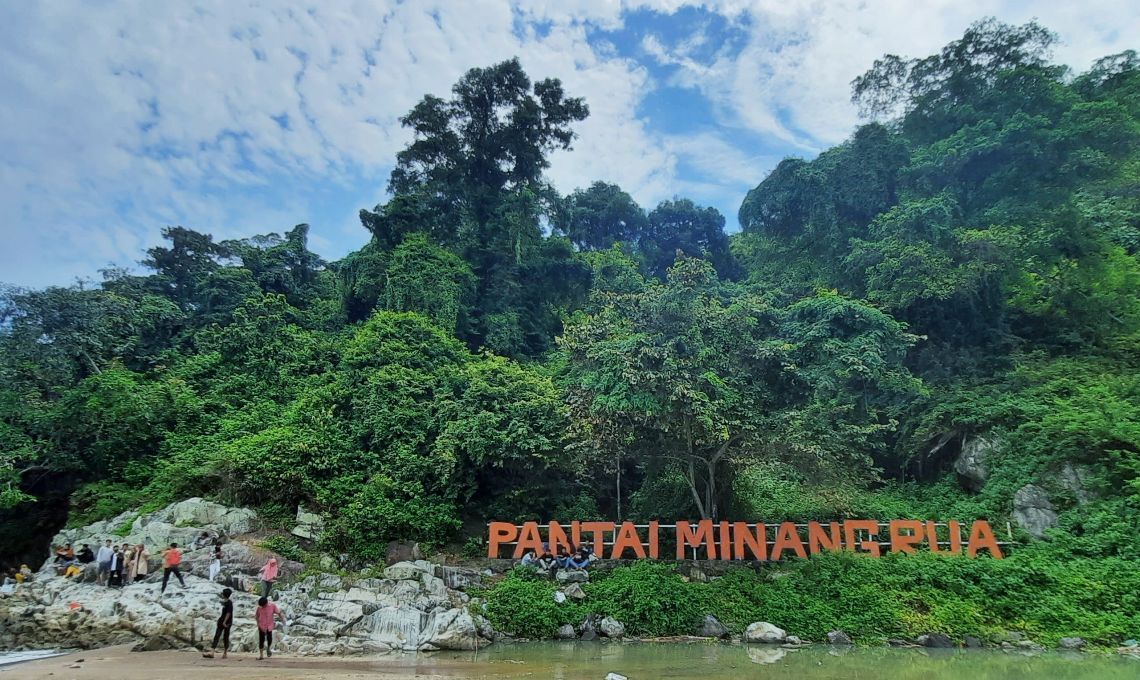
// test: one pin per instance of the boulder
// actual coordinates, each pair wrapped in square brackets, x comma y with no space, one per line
[712,627]
[572,576]
[615,676]
[611,628]
[794,640]
[1032,510]
[566,632]
[764,632]
[574,591]
[1071,643]
[970,465]
[309,524]
[450,629]
[402,551]
[406,571]
[838,637]
[936,640]
[458,578]
[1075,480]
[588,629]
[971,642]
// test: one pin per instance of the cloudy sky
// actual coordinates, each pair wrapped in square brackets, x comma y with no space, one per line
[236,118]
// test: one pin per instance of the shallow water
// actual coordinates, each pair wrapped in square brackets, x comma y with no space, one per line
[714,661]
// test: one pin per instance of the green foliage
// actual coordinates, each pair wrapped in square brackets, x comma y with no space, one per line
[285,546]
[523,605]
[650,599]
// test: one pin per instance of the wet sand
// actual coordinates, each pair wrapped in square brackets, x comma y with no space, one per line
[119,663]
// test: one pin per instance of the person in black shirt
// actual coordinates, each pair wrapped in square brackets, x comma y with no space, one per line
[225,622]
[85,556]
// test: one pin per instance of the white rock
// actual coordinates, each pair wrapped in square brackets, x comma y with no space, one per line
[611,628]
[764,632]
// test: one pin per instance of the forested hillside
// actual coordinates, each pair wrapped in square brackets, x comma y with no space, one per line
[962,273]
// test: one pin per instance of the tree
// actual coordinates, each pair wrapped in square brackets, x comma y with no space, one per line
[600,216]
[422,277]
[681,226]
[183,266]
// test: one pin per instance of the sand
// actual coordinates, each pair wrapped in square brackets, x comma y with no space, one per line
[119,663]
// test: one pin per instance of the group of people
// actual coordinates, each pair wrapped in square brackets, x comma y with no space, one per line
[118,565]
[14,577]
[265,615]
[575,558]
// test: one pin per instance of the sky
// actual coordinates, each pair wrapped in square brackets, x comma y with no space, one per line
[235,118]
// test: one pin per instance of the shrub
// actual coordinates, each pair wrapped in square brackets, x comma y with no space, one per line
[650,599]
[523,604]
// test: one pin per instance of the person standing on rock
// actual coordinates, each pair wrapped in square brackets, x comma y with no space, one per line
[106,554]
[137,567]
[265,613]
[225,622]
[116,575]
[216,563]
[268,576]
[171,561]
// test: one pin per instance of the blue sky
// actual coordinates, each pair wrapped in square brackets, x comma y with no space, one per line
[238,118]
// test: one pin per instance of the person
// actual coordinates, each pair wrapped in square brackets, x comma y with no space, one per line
[547,564]
[65,554]
[202,541]
[225,622]
[25,574]
[216,563]
[562,558]
[137,567]
[106,553]
[85,556]
[72,571]
[529,559]
[115,577]
[265,613]
[268,575]
[171,561]
[577,561]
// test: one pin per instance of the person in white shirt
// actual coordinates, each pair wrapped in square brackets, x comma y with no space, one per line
[103,558]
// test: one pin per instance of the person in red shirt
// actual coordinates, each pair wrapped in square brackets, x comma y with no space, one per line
[266,611]
[171,560]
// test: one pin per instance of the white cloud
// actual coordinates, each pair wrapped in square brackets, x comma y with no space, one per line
[118,118]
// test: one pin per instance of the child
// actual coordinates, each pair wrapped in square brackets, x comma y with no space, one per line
[225,622]
[264,615]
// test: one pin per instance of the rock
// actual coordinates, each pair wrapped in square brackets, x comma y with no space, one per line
[458,578]
[157,643]
[588,629]
[402,551]
[566,632]
[972,642]
[764,632]
[794,641]
[1075,480]
[1028,646]
[309,524]
[574,592]
[935,640]
[970,465]
[615,676]
[611,628]
[1032,510]
[450,629]
[1071,643]
[838,637]
[406,571]
[572,576]
[712,627]
[697,575]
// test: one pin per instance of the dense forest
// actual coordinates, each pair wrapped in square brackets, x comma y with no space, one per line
[963,271]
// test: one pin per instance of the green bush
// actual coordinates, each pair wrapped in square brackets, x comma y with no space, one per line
[523,605]
[285,546]
[650,599]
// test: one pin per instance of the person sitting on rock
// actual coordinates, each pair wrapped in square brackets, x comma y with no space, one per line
[85,555]
[225,622]
[547,564]
[265,613]
[171,561]
[577,561]
[529,559]
[72,571]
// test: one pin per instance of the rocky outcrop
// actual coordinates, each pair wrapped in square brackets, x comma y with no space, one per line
[1076,479]
[309,524]
[1032,510]
[764,632]
[970,465]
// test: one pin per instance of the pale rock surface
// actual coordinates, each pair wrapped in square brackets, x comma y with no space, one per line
[764,632]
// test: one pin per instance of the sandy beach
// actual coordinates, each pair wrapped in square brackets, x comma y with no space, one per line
[122,664]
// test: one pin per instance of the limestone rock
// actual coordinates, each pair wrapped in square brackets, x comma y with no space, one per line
[838,637]
[794,640]
[572,576]
[566,632]
[309,524]
[406,571]
[1075,480]
[1032,510]
[1071,643]
[970,465]
[451,629]
[712,627]
[402,551]
[611,628]
[764,632]
[574,591]
[937,640]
